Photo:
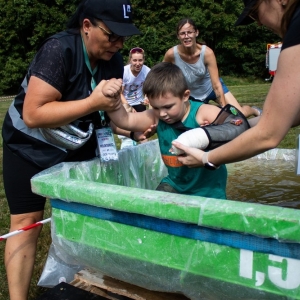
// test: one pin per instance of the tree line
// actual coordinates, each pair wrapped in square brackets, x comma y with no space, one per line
[240,51]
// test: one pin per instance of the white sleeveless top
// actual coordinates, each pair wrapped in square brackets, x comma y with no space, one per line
[196,75]
[133,85]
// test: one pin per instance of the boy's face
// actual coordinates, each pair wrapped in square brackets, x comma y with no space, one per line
[169,108]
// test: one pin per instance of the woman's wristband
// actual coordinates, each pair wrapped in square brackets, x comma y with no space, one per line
[208,165]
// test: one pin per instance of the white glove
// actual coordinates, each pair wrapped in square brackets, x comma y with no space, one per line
[195,138]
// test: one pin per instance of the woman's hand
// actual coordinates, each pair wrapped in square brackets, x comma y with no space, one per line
[106,95]
[192,157]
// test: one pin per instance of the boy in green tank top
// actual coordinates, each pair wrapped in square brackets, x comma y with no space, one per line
[169,97]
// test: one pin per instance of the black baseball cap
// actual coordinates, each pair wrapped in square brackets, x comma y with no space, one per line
[116,14]
[244,18]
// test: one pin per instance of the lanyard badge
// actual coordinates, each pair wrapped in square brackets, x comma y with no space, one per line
[105,137]
[106,144]
[105,141]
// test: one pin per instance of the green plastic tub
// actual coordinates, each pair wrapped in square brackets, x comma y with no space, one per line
[108,217]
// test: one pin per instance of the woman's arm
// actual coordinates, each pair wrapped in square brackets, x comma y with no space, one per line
[281,112]
[211,63]
[42,107]
[169,56]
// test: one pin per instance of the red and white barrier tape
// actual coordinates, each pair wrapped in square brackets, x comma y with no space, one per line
[8,235]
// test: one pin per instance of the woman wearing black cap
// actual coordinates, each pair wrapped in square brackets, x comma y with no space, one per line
[73,76]
[281,110]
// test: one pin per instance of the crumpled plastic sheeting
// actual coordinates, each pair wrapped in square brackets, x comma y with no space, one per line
[160,261]
[277,154]
[82,182]
[59,267]
[140,167]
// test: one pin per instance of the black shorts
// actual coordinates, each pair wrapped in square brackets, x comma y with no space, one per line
[17,173]
[139,107]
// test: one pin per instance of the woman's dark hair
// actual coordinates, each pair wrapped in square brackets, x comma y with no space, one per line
[184,21]
[287,17]
[75,21]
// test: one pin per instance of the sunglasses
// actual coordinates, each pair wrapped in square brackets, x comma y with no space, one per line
[112,37]
[253,14]
[136,50]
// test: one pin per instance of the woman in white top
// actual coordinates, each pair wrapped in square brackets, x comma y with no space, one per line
[199,65]
[134,76]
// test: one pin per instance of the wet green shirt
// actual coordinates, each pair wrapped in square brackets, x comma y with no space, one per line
[189,181]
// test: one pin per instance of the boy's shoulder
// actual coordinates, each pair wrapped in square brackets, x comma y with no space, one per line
[195,103]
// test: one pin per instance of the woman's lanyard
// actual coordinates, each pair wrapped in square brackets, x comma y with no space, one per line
[107,149]
[93,81]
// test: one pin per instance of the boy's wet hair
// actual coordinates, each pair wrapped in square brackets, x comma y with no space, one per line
[165,78]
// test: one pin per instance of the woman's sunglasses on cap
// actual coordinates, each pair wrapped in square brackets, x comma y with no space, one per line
[136,50]
[253,14]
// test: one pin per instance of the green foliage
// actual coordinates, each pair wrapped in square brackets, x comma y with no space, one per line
[240,51]
[155,19]
[24,24]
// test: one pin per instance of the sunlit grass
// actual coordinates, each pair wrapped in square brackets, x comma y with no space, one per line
[255,94]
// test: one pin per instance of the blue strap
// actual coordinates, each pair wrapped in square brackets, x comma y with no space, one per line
[191,231]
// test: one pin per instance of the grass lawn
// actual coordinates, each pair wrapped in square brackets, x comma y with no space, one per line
[245,92]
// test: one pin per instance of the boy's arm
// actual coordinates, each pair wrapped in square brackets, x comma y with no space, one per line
[139,121]
[123,99]
[228,125]
[137,136]
[206,114]
[125,103]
